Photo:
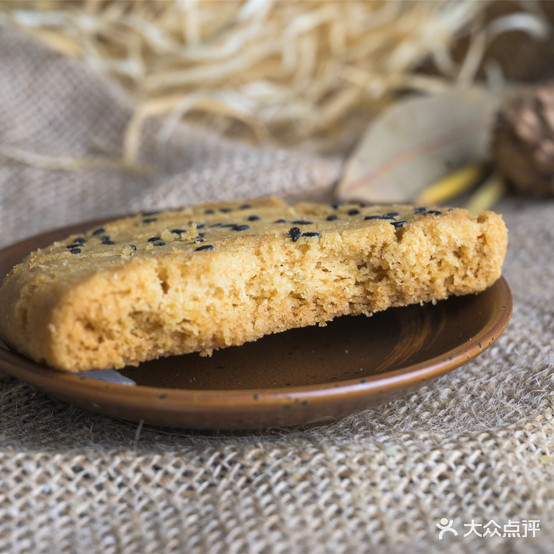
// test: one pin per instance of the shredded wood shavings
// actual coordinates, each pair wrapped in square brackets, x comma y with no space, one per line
[35,159]
[295,72]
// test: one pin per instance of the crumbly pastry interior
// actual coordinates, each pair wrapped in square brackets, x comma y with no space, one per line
[203,278]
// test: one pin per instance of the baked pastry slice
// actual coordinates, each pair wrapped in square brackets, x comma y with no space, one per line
[212,276]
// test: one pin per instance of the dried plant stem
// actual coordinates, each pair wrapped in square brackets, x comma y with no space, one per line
[488,194]
[458,182]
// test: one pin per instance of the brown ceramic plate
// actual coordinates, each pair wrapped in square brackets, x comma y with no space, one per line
[300,377]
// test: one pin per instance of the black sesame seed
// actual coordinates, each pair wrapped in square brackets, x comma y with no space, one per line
[155,212]
[230,225]
[150,220]
[241,227]
[434,212]
[215,225]
[75,250]
[200,225]
[159,243]
[254,218]
[74,245]
[390,214]
[133,247]
[311,235]
[178,231]
[105,237]
[245,207]
[335,206]
[108,242]
[280,221]
[302,222]
[98,231]
[368,217]
[209,212]
[153,239]
[295,233]
[79,240]
[420,210]
[205,247]
[353,212]
[198,240]
[224,210]
[398,223]
[201,234]
[332,217]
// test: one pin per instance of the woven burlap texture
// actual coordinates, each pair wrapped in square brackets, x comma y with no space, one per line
[473,445]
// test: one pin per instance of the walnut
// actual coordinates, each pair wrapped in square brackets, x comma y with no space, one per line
[523,141]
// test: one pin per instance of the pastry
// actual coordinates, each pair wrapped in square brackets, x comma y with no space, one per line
[203,278]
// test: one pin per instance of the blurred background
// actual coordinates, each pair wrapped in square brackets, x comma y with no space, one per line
[307,73]
[318,77]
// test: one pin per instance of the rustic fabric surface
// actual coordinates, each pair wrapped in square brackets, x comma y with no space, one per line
[476,444]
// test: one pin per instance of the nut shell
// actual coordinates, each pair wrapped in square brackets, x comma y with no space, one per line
[523,141]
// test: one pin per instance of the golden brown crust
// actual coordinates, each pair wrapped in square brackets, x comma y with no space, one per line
[219,275]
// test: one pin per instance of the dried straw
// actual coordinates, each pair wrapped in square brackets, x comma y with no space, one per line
[306,73]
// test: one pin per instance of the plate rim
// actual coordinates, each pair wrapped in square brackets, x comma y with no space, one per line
[206,400]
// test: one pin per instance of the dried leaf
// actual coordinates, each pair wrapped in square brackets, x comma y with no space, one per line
[417,142]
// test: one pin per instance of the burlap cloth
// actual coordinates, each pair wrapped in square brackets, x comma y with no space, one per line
[473,445]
